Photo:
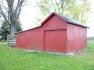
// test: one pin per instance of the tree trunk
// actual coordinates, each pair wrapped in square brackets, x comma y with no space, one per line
[12,28]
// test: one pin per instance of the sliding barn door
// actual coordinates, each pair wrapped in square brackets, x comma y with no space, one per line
[55,40]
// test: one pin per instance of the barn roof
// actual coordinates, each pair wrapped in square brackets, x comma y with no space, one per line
[70,20]
[67,19]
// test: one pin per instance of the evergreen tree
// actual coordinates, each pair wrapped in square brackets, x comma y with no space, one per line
[4,31]
[18,27]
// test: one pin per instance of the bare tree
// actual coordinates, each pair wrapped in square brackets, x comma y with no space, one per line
[10,11]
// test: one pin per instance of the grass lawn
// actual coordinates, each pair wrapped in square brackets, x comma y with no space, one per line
[15,59]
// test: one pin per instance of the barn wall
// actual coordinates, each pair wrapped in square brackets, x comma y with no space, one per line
[77,38]
[55,34]
[20,40]
[34,38]
[54,22]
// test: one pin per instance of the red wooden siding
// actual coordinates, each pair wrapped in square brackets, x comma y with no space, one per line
[76,36]
[55,40]
[54,23]
[34,40]
[29,41]
[20,40]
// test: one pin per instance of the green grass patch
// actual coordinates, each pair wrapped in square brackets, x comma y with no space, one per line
[15,59]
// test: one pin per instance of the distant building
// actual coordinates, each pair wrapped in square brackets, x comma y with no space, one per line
[90,38]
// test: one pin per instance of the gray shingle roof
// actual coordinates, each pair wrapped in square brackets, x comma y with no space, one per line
[73,21]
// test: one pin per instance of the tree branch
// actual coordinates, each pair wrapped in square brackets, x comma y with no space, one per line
[62,6]
[4,16]
[18,8]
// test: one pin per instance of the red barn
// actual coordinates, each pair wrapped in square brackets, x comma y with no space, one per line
[56,33]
